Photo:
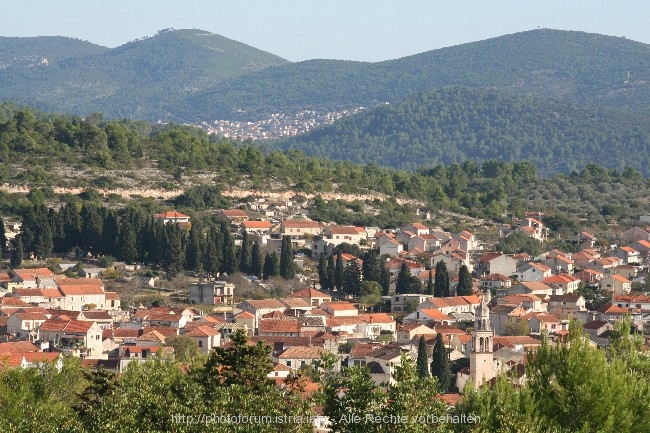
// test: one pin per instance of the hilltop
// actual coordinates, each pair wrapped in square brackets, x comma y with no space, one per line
[141,79]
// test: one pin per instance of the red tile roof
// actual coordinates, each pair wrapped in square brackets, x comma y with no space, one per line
[171,215]
[257,224]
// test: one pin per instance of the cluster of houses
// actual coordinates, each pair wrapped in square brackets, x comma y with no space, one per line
[516,300]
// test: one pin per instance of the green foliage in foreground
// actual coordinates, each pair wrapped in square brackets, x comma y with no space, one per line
[571,387]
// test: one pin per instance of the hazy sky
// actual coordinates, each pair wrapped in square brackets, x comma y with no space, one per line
[369,30]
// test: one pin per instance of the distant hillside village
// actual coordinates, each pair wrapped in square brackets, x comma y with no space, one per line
[489,323]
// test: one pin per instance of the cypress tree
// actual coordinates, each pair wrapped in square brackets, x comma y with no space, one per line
[17,253]
[91,230]
[229,258]
[338,271]
[271,266]
[423,359]
[331,272]
[322,272]
[128,250]
[371,266]
[3,235]
[286,259]
[173,258]
[465,283]
[212,255]
[440,366]
[195,249]
[441,280]
[402,284]
[110,233]
[384,279]
[352,279]
[430,286]
[256,260]
[245,255]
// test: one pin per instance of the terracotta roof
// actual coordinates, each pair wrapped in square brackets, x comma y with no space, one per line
[435,314]
[121,333]
[489,257]
[612,309]
[259,304]
[376,318]
[510,341]
[69,290]
[29,274]
[10,301]
[343,230]
[31,316]
[620,278]
[495,277]
[339,306]
[167,331]
[16,359]
[570,297]
[67,326]
[171,215]
[302,352]
[545,317]
[257,224]
[292,303]
[560,279]
[97,315]
[245,315]
[309,292]
[112,296]
[595,324]
[202,331]
[18,347]
[79,282]
[301,224]
[152,336]
[279,326]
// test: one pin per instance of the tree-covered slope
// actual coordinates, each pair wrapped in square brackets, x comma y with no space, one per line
[32,51]
[582,67]
[455,124]
[144,78]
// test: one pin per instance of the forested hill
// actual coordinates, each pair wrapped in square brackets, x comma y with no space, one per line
[141,79]
[456,124]
[577,66]
[194,75]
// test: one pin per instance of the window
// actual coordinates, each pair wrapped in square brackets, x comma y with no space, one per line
[288,363]
[200,343]
[302,363]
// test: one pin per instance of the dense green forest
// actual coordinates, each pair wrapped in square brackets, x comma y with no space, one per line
[575,66]
[451,125]
[94,153]
[191,75]
[570,387]
[142,79]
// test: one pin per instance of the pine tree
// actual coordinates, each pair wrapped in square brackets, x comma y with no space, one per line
[245,255]
[287,270]
[110,233]
[173,258]
[441,280]
[430,287]
[423,359]
[17,253]
[465,283]
[440,366]
[91,230]
[338,272]
[256,261]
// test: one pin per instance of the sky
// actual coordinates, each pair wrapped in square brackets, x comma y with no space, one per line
[365,30]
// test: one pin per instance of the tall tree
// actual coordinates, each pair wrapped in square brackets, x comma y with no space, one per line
[17,252]
[245,255]
[271,266]
[128,248]
[338,271]
[423,358]
[441,280]
[212,256]
[430,286]
[465,283]
[229,258]
[352,278]
[401,286]
[371,266]
[322,273]
[174,258]
[331,272]
[256,260]
[195,248]
[440,366]
[384,279]
[287,270]
[110,233]
[3,235]
[91,230]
